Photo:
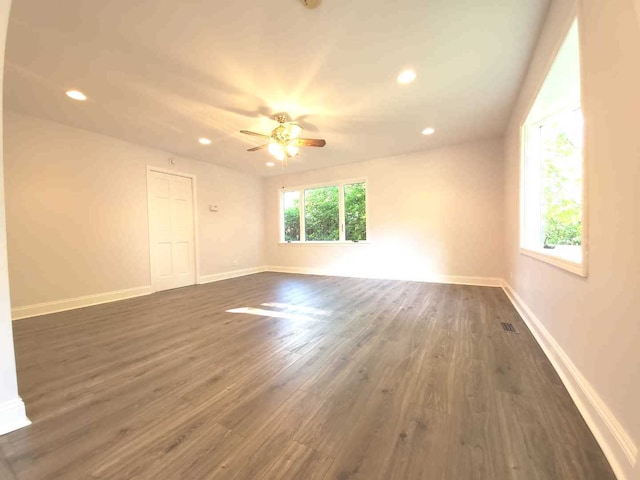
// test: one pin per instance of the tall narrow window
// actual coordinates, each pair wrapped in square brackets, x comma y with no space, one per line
[291,203]
[552,170]
[355,212]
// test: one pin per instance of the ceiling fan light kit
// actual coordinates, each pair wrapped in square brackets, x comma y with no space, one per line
[284,141]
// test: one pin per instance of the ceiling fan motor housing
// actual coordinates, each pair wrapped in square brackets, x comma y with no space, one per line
[311,3]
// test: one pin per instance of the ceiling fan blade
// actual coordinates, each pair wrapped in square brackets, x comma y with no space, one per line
[302,121]
[255,149]
[309,142]
[247,132]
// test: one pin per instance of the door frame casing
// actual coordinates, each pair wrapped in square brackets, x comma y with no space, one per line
[194,194]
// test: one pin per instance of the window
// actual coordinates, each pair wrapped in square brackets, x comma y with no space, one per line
[355,214]
[321,214]
[327,213]
[291,201]
[552,210]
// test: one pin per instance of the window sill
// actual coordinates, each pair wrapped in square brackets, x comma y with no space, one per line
[325,244]
[557,261]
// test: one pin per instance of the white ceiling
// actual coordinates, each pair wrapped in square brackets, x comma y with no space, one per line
[163,73]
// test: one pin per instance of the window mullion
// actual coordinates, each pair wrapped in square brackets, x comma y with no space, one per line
[303,236]
[341,219]
[281,214]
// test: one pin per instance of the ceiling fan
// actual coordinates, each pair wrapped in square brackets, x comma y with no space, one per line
[283,141]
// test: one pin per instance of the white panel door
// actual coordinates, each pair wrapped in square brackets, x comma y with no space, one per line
[171,231]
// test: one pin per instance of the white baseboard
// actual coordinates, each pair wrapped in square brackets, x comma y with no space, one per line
[616,444]
[451,279]
[13,416]
[216,277]
[19,313]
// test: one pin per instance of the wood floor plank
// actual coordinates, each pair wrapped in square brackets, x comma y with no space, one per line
[6,472]
[423,444]
[296,462]
[370,441]
[315,378]
[265,445]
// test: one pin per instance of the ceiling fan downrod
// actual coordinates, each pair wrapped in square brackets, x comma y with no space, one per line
[311,3]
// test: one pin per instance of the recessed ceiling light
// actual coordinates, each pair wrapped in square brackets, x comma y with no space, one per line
[204,141]
[76,95]
[429,131]
[270,164]
[407,76]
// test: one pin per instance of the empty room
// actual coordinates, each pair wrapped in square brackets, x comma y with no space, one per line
[320,240]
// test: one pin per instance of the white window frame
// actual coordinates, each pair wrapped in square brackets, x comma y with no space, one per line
[548,255]
[341,216]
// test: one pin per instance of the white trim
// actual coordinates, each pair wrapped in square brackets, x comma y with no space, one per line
[18,313]
[216,277]
[450,279]
[326,244]
[616,444]
[342,228]
[556,261]
[194,194]
[566,27]
[331,183]
[37,309]
[13,416]
[585,157]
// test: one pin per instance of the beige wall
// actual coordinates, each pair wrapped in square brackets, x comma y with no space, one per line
[77,212]
[435,213]
[596,320]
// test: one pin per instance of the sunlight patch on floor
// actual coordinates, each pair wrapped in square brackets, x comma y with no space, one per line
[269,313]
[298,308]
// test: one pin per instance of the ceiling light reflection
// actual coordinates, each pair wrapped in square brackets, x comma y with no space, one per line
[407,76]
[76,95]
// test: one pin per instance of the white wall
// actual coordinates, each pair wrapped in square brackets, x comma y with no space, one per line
[77,212]
[432,214]
[12,412]
[595,321]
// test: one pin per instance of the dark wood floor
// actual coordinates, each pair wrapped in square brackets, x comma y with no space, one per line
[343,379]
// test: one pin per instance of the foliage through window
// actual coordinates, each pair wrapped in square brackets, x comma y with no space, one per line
[561,179]
[355,212]
[329,213]
[321,215]
[291,201]
[552,170]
